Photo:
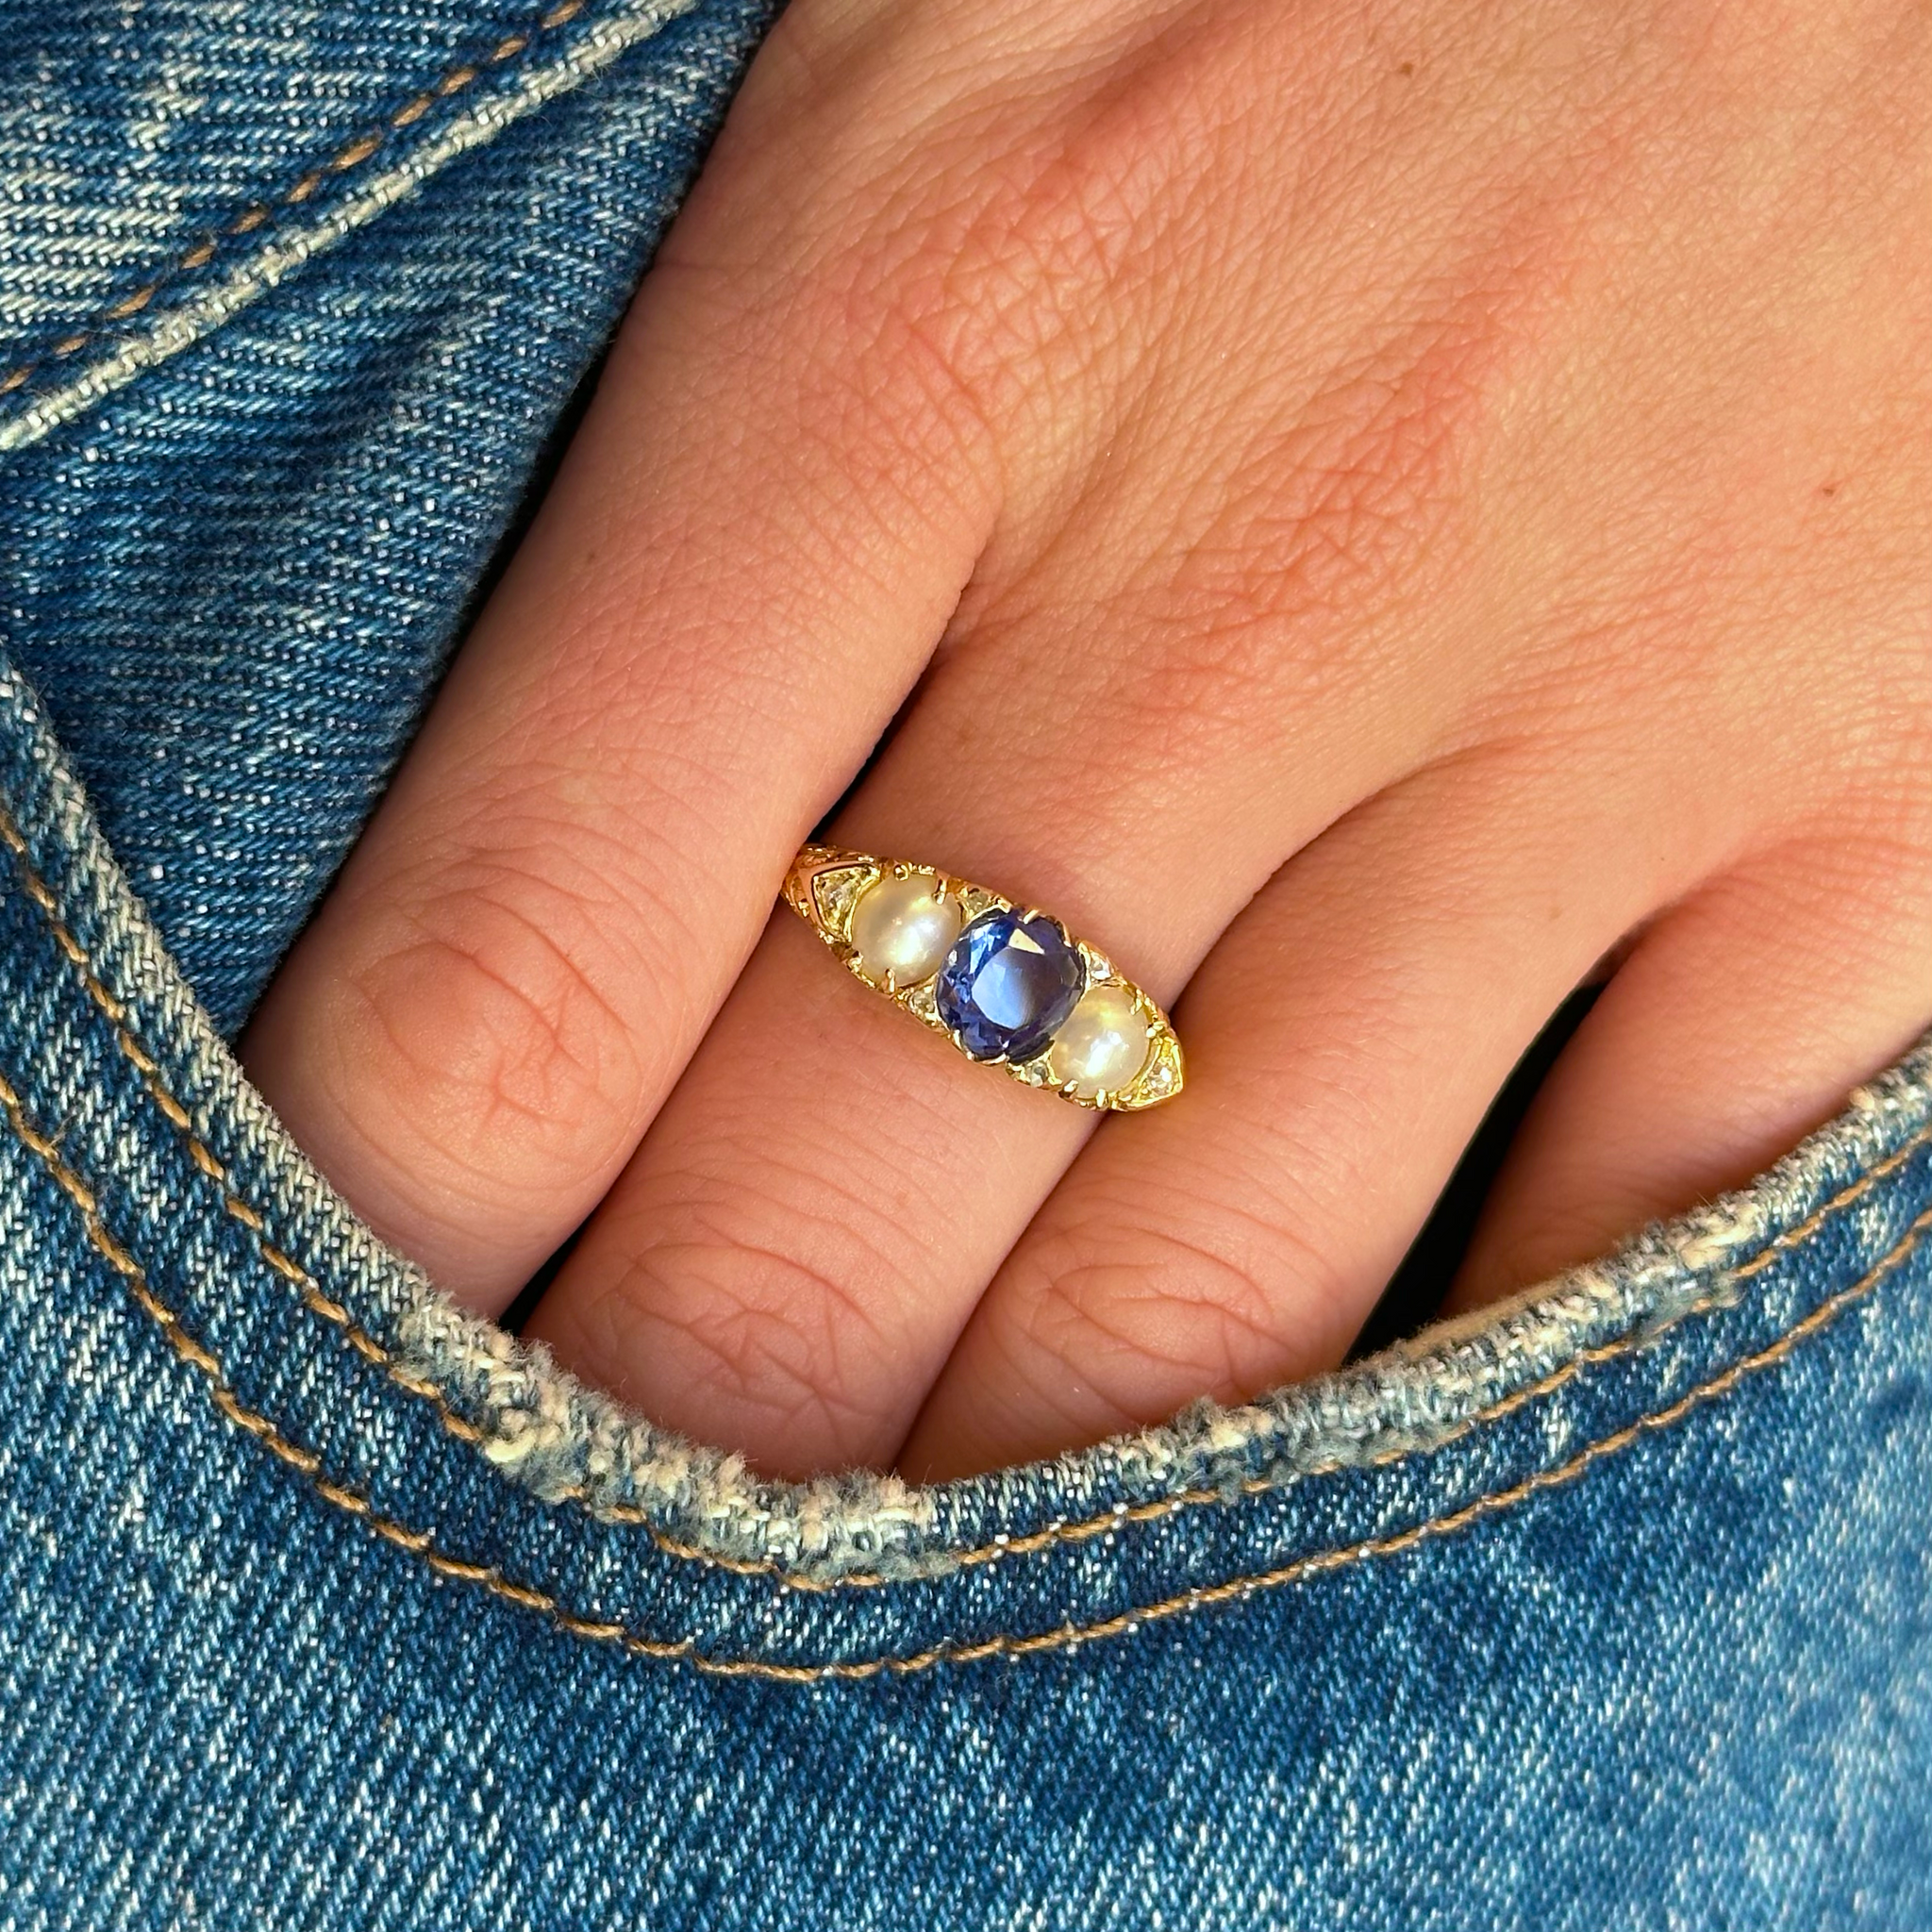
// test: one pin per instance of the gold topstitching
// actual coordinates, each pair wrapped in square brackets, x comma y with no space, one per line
[421,1543]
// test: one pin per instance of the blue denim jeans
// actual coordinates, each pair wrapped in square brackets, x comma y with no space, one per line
[323,1604]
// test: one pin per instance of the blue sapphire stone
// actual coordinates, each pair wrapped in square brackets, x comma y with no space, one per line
[1009,983]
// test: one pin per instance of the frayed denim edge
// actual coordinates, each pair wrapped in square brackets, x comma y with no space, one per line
[556,1438]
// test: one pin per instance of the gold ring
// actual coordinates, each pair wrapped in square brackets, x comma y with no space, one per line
[1009,986]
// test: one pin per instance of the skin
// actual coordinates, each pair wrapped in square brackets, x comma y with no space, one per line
[1370,512]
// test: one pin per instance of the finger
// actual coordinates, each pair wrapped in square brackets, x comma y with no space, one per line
[1344,1038]
[814,1214]
[1738,1022]
[737,576]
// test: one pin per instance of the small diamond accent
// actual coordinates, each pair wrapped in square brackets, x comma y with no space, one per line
[836,891]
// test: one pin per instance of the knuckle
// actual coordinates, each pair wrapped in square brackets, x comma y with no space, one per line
[1338,511]
[1311,546]
[1154,1316]
[762,1345]
[866,367]
[1051,252]
[493,1013]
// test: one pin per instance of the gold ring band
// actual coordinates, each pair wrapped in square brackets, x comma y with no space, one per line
[1007,984]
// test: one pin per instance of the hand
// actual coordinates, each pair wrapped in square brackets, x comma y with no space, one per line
[1365,511]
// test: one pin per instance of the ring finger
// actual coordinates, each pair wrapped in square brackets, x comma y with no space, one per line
[1348,1033]
[809,1220]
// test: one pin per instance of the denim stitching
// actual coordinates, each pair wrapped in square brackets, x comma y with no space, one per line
[173,330]
[421,1545]
[1001,1547]
[257,214]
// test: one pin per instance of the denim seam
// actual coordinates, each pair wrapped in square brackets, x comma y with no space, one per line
[346,158]
[421,1543]
[198,316]
[999,1549]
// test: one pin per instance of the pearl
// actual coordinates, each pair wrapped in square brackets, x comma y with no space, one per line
[1008,984]
[903,929]
[1102,1045]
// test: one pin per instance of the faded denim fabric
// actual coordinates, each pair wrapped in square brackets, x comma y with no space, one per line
[324,1605]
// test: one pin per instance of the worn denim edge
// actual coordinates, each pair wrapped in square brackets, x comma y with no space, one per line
[554,1436]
